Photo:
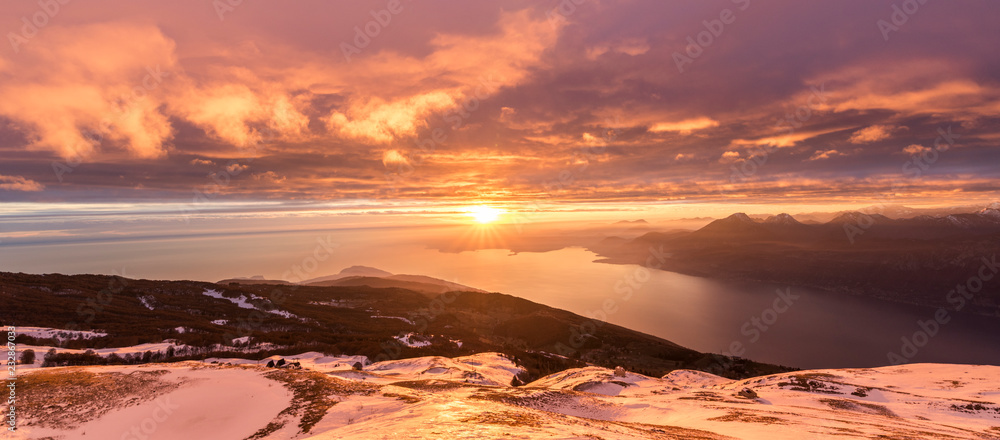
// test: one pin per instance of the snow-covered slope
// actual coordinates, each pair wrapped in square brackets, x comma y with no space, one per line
[480,369]
[176,401]
[468,397]
[59,334]
[311,360]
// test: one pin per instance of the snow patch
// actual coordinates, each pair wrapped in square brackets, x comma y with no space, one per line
[207,403]
[413,340]
[240,302]
[991,213]
[283,313]
[244,303]
[482,369]
[145,302]
[394,317]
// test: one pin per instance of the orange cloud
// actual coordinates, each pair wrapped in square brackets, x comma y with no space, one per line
[460,72]
[269,176]
[729,157]
[225,112]
[393,159]
[630,46]
[781,141]
[376,120]
[919,87]
[684,127]
[243,112]
[824,154]
[871,134]
[80,88]
[915,149]
[18,183]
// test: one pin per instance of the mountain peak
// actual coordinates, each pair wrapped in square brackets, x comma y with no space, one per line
[353,271]
[365,271]
[739,216]
[890,210]
[782,219]
[858,217]
[632,222]
[736,226]
[991,212]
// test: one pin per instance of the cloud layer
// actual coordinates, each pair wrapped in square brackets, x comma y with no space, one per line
[521,102]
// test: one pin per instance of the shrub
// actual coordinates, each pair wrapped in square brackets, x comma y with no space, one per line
[28,356]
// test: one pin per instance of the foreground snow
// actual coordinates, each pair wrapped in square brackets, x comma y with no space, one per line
[193,403]
[469,397]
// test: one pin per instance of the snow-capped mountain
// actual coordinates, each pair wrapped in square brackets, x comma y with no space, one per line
[782,219]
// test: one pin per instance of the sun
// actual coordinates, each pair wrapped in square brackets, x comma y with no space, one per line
[484,214]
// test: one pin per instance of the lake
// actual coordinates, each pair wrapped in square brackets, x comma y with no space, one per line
[816,330]
[811,329]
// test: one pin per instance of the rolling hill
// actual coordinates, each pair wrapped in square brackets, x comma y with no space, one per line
[418,283]
[209,319]
[370,277]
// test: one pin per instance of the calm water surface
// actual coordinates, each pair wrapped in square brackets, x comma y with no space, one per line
[817,329]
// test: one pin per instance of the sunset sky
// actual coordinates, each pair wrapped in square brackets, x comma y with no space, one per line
[443,105]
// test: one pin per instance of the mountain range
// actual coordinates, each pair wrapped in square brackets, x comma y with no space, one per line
[917,260]
[897,211]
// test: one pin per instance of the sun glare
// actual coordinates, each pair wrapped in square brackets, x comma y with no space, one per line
[484,214]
